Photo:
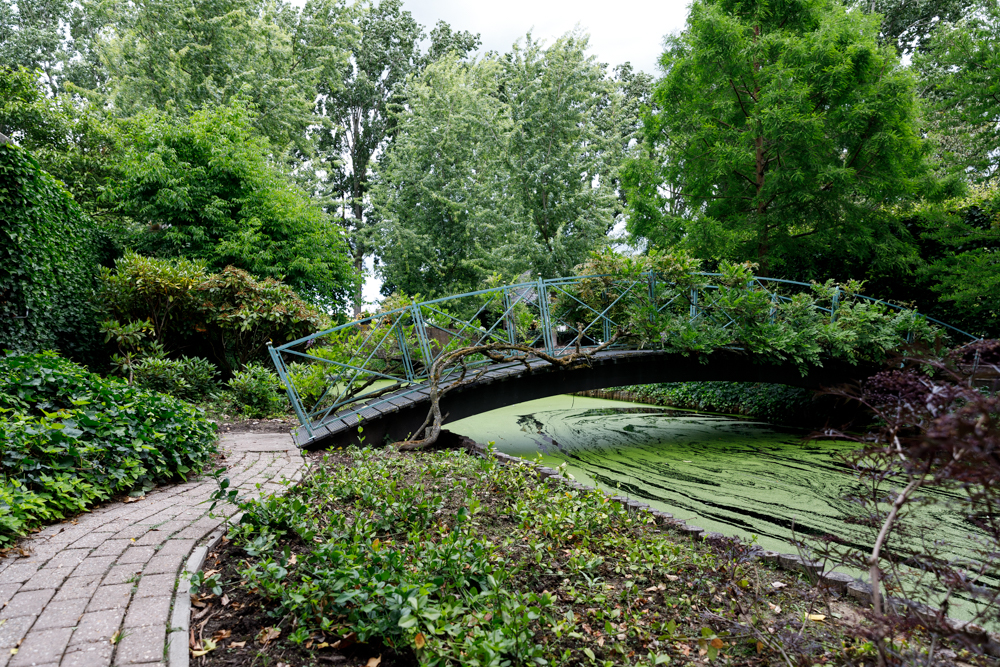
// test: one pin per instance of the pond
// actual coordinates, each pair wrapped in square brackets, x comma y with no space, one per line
[725,474]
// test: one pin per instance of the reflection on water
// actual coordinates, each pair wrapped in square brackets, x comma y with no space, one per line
[733,476]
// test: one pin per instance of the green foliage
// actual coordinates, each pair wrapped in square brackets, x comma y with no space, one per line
[776,133]
[960,252]
[501,165]
[47,262]
[227,317]
[205,189]
[356,103]
[442,224]
[255,391]
[182,56]
[961,68]
[771,325]
[72,438]
[188,378]
[408,551]
[557,159]
[775,403]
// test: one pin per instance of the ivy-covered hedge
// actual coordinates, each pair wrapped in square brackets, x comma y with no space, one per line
[775,403]
[48,262]
[72,438]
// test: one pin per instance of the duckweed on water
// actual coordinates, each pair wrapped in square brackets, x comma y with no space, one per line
[443,558]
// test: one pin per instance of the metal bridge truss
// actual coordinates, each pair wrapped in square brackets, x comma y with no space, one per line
[343,372]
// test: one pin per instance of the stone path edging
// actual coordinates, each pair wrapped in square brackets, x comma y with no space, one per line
[114,571]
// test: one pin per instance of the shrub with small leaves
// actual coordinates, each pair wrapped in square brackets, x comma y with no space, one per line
[255,390]
[189,378]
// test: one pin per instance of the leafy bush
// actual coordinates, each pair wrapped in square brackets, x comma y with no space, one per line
[255,390]
[227,317]
[776,403]
[72,438]
[47,262]
[189,378]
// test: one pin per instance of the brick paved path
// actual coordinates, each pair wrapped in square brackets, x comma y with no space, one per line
[115,569]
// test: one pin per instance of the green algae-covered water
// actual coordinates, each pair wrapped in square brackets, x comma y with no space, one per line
[729,475]
[733,476]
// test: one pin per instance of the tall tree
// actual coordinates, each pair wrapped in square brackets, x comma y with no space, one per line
[779,130]
[908,24]
[556,156]
[181,56]
[358,98]
[961,68]
[444,218]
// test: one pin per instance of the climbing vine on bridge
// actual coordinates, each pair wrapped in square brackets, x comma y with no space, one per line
[657,301]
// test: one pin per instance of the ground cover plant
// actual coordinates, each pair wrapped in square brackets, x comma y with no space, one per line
[381,557]
[72,439]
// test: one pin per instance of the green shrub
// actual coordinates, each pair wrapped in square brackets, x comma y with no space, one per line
[771,402]
[255,390]
[48,260]
[228,317]
[189,378]
[72,438]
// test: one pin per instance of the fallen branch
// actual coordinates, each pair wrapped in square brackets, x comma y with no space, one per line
[499,352]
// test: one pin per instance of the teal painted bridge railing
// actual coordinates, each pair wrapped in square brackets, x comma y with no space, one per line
[339,373]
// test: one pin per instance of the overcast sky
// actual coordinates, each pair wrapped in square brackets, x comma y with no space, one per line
[627,30]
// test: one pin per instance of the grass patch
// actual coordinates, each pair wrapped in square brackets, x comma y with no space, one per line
[442,558]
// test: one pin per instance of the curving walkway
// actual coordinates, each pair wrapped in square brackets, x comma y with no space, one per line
[113,572]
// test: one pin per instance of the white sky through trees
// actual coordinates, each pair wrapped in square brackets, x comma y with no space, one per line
[626,30]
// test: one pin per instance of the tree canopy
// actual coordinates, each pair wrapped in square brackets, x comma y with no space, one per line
[205,188]
[777,131]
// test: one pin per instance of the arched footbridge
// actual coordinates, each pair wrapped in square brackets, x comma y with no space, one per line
[373,373]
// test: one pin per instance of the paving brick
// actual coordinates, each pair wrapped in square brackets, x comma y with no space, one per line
[111,548]
[145,612]
[78,587]
[94,565]
[153,538]
[46,578]
[136,555]
[141,646]
[195,532]
[127,573]
[155,585]
[163,563]
[13,630]
[7,592]
[68,558]
[182,547]
[90,540]
[63,614]
[110,597]
[88,655]
[27,603]
[97,626]
[40,648]
[18,573]
[131,532]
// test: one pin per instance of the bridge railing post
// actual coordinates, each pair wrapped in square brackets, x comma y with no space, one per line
[425,347]
[510,323]
[404,349]
[834,304]
[543,307]
[293,396]
[652,296]
[694,304]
